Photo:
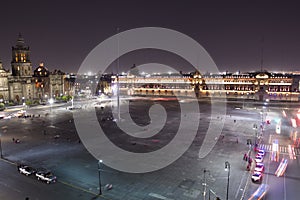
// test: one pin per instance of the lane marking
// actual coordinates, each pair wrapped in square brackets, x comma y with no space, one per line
[284,187]
[8,161]
[239,188]
[247,183]
[83,189]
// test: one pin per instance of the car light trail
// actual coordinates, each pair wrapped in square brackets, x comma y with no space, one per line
[282,167]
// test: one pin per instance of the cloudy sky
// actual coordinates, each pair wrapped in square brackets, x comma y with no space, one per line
[62,33]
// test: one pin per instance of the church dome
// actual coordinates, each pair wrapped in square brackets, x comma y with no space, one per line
[41,71]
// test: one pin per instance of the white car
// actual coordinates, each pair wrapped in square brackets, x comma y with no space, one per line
[261,152]
[46,176]
[24,169]
[259,167]
[258,158]
[256,176]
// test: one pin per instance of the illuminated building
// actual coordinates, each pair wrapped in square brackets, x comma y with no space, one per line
[261,86]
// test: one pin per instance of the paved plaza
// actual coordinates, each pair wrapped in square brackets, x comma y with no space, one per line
[50,140]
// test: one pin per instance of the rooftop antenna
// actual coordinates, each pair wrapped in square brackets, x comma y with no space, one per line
[262,54]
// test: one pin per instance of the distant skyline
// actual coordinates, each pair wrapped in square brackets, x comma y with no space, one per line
[62,33]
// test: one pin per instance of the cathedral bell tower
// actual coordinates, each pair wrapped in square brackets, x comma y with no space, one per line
[20,64]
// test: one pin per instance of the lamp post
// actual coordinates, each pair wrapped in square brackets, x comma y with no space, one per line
[99,168]
[204,184]
[23,103]
[227,168]
[51,102]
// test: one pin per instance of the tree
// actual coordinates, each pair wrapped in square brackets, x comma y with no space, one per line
[2,106]
[134,70]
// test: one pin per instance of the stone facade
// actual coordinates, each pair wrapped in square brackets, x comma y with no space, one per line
[23,84]
[4,92]
[260,86]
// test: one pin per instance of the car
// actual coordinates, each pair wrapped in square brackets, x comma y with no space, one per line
[282,167]
[20,113]
[258,158]
[7,117]
[259,167]
[260,192]
[261,152]
[25,169]
[257,176]
[46,176]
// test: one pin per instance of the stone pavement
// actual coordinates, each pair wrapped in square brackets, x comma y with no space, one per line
[182,180]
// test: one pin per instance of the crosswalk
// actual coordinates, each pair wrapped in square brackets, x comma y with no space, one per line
[282,149]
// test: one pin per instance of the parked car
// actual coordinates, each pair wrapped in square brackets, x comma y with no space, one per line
[258,158]
[257,176]
[25,169]
[46,176]
[261,152]
[259,167]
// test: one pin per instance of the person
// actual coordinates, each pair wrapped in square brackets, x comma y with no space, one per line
[245,156]
[13,139]
[250,161]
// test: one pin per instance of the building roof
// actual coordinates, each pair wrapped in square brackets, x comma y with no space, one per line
[20,45]
[41,71]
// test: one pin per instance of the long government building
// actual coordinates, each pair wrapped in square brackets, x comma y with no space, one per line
[260,86]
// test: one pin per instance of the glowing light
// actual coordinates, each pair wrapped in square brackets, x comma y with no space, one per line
[284,114]
[278,129]
[282,167]
[291,151]
[294,123]
[51,101]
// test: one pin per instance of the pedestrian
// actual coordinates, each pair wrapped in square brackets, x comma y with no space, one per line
[13,139]
[245,156]
[248,167]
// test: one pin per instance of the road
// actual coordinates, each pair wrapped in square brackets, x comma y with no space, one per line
[285,187]
[17,186]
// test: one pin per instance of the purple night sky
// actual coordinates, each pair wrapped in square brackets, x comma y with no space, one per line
[62,33]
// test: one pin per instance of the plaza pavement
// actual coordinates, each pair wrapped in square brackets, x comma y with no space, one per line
[182,180]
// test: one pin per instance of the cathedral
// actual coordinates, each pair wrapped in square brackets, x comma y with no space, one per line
[22,84]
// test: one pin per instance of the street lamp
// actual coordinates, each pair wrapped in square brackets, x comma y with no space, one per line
[204,184]
[99,168]
[51,102]
[227,168]
[23,103]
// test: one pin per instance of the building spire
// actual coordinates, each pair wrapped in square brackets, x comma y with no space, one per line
[20,41]
[262,54]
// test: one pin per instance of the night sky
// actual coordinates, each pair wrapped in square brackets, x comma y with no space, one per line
[62,33]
